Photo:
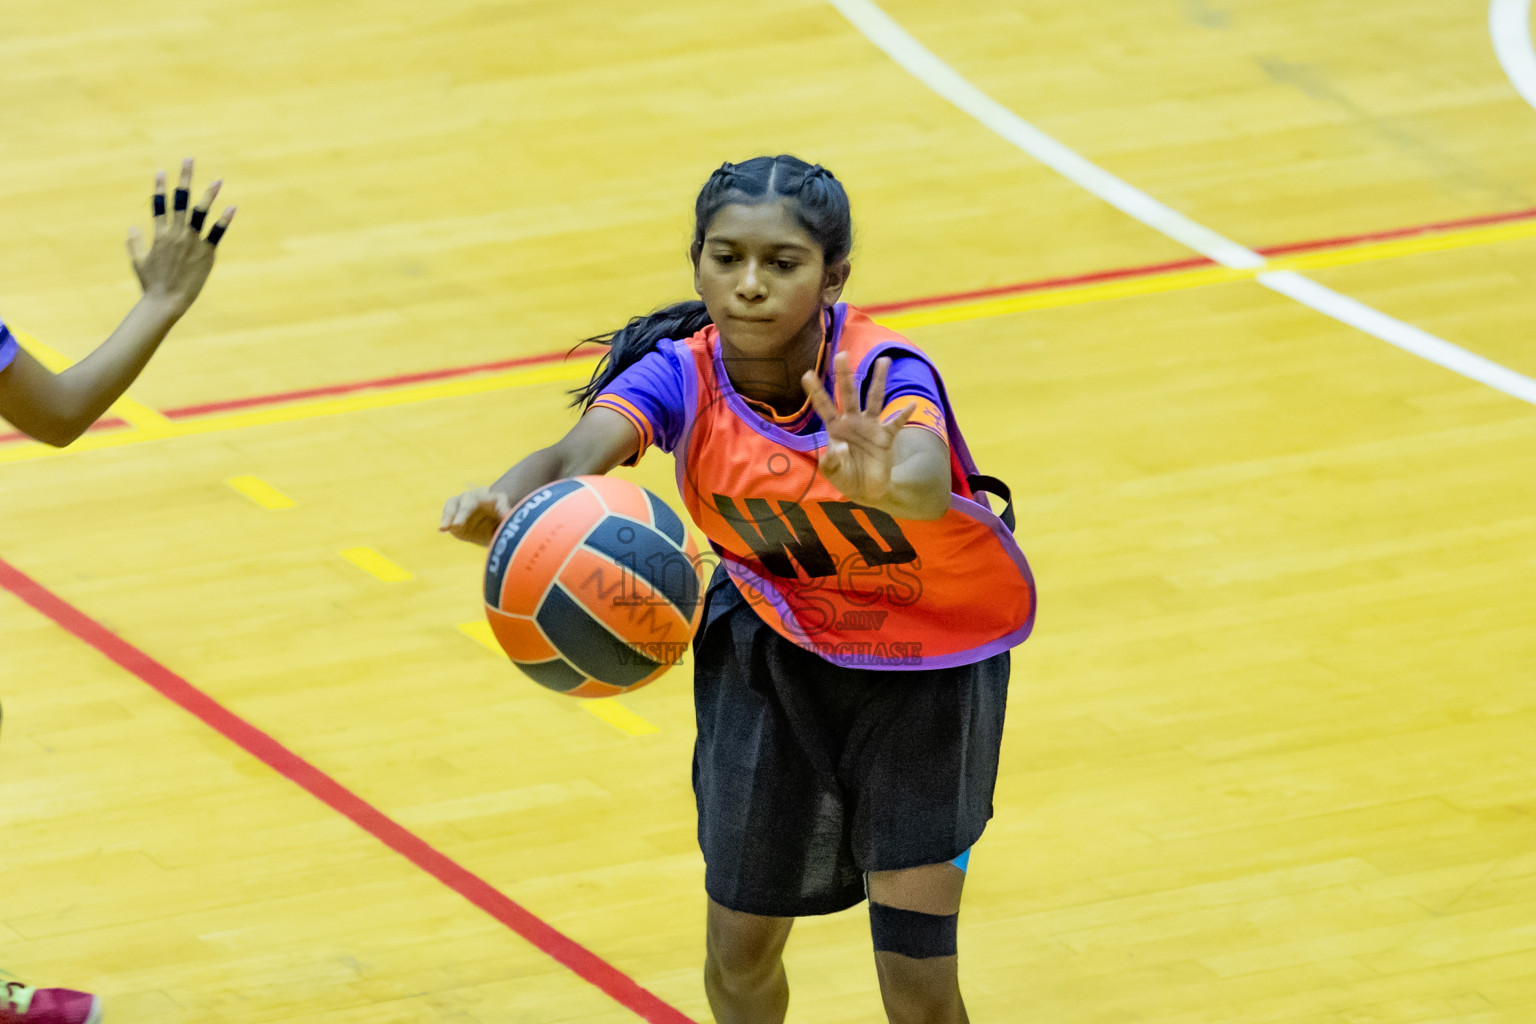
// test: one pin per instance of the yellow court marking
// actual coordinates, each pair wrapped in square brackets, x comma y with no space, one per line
[618,716]
[1181,280]
[408,395]
[1071,295]
[605,708]
[151,425]
[261,492]
[148,421]
[1371,252]
[480,632]
[375,564]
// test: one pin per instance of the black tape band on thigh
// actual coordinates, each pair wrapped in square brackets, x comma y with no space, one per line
[910,933]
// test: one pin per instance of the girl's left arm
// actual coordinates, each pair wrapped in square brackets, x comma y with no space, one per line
[919,476]
[874,462]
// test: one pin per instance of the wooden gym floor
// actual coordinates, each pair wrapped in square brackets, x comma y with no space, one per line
[1269,751]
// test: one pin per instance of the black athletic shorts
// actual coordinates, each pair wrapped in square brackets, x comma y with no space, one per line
[808,774]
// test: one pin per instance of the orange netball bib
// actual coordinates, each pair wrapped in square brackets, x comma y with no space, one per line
[851,583]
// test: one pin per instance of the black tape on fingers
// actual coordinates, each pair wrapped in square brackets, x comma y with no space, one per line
[198,216]
[183,197]
[216,234]
[159,204]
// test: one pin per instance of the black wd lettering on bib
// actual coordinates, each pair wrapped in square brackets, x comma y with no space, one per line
[785,539]
[777,537]
[897,549]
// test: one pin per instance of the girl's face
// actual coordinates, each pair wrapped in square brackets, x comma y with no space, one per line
[764,281]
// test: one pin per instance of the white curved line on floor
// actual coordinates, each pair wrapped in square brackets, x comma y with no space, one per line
[1405,336]
[880,29]
[1509,23]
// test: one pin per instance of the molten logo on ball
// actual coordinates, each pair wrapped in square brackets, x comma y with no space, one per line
[592,586]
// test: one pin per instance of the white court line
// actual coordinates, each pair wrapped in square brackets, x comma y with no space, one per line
[1509,23]
[885,33]
[1405,336]
[898,44]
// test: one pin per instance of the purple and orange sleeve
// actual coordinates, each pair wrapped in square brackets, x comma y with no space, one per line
[649,395]
[637,419]
[911,382]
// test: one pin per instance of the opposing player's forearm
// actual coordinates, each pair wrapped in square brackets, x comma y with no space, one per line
[84,391]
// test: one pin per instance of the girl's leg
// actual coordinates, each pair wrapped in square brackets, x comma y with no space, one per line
[744,966]
[920,988]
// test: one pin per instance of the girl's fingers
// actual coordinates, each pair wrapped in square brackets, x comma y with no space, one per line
[487,520]
[875,399]
[159,204]
[832,459]
[820,400]
[474,513]
[463,505]
[843,371]
[474,525]
[471,528]
[900,419]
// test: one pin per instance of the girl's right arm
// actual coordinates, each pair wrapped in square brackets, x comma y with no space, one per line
[600,440]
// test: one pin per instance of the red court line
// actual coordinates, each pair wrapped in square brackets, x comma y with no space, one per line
[188,411]
[1146,270]
[588,965]
[1387,236]
[326,391]
[876,309]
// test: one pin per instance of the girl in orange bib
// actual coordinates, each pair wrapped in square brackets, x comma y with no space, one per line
[852,666]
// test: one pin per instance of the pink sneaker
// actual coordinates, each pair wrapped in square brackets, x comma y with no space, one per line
[22,1004]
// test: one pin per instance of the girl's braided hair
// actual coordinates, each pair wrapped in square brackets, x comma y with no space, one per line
[821,206]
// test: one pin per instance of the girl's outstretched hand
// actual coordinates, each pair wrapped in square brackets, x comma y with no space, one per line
[475,515]
[860,447]
[172,270]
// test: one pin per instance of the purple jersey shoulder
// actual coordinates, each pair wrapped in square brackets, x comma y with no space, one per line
[652,388]
[909,375]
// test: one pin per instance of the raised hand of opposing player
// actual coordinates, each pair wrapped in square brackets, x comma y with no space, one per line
[172,269]
[861,448]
